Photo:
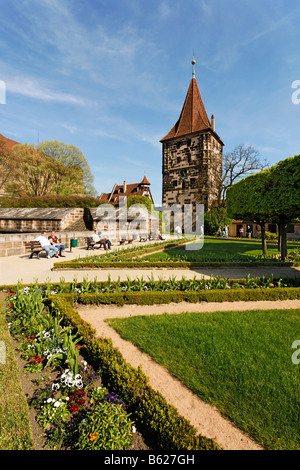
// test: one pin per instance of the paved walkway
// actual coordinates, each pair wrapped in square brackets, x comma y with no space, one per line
[20,267]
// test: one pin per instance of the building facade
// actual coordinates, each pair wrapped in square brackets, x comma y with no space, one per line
[127,190]
[192,154]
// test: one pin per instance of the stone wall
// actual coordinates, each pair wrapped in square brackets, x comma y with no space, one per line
[13,244]
[24,220]
[192,167]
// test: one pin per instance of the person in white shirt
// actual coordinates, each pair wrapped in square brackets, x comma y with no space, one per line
[178,231]
[51,250]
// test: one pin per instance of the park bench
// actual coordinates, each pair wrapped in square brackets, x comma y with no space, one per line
[91,244]
[124,240]
[34,248]
[143,237]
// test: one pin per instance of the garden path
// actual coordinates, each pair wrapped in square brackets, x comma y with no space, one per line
[205,418]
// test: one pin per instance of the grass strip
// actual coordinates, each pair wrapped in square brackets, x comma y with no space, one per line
[15,432]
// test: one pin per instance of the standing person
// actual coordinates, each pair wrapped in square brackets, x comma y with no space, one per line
[219,231]
[225,231]
[55,241]
[178,231]
[249,231]
[241,232]
[51,250]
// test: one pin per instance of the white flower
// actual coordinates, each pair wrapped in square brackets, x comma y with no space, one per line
[55,387]
[78,383]
[50,400]
[57,404]
[133,429]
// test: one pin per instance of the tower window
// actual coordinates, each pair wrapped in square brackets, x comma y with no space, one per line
[178,159]
[183,174]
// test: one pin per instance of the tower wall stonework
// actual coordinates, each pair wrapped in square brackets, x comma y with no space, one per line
[192,168]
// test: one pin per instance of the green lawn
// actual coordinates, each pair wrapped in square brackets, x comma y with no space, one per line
[240,362]
[15,433]
[219,250]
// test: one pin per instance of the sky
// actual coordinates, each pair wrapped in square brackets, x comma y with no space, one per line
[111,77]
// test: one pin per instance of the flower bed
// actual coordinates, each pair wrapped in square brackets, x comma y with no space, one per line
[73,410]
[65,407]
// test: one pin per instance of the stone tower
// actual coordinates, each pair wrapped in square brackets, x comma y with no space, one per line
[192,155]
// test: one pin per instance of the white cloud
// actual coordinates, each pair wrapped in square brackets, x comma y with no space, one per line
[38,90]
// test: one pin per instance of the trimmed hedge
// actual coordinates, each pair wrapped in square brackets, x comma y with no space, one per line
[162,264]
[50,200]
[160,421]
[217,295]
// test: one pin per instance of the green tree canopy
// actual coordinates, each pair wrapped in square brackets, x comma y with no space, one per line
[71,157]
[35,174]
[271,195]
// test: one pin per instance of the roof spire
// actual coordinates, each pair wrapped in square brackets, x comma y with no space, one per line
[193,64]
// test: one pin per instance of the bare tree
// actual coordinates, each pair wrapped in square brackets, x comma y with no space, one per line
[242,161]
[4,166]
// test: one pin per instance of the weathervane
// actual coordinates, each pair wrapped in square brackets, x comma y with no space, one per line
[193,63]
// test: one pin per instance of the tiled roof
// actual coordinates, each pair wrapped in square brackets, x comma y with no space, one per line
[193,117]
[8,142]
[134,189]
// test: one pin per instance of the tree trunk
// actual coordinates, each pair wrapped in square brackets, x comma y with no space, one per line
[283,232]
[263,238]
[279,237]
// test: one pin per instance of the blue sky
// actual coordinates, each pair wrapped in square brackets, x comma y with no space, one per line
[111,76]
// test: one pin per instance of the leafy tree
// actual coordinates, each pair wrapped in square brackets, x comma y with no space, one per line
[5,173]
[241,162]
[272,195]
[142,200]
[35,174]
[283,197]
[246,200]
[71,157]
[215,218]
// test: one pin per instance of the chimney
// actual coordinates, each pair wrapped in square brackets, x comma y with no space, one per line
[213,122]
[125,187]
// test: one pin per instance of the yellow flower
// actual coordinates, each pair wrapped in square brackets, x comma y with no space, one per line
[93,437]
[271,285]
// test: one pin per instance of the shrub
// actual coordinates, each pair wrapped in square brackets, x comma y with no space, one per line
[50,201]
[105,426]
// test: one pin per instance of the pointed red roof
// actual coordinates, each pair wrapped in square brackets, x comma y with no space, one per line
[8,142]
[193,117]
[145,181]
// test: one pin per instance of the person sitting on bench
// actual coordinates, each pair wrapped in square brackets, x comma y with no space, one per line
[51,250]
[96,239]
[55,242]
[104,240]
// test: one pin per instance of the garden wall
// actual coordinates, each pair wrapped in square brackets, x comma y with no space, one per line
[13,243]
